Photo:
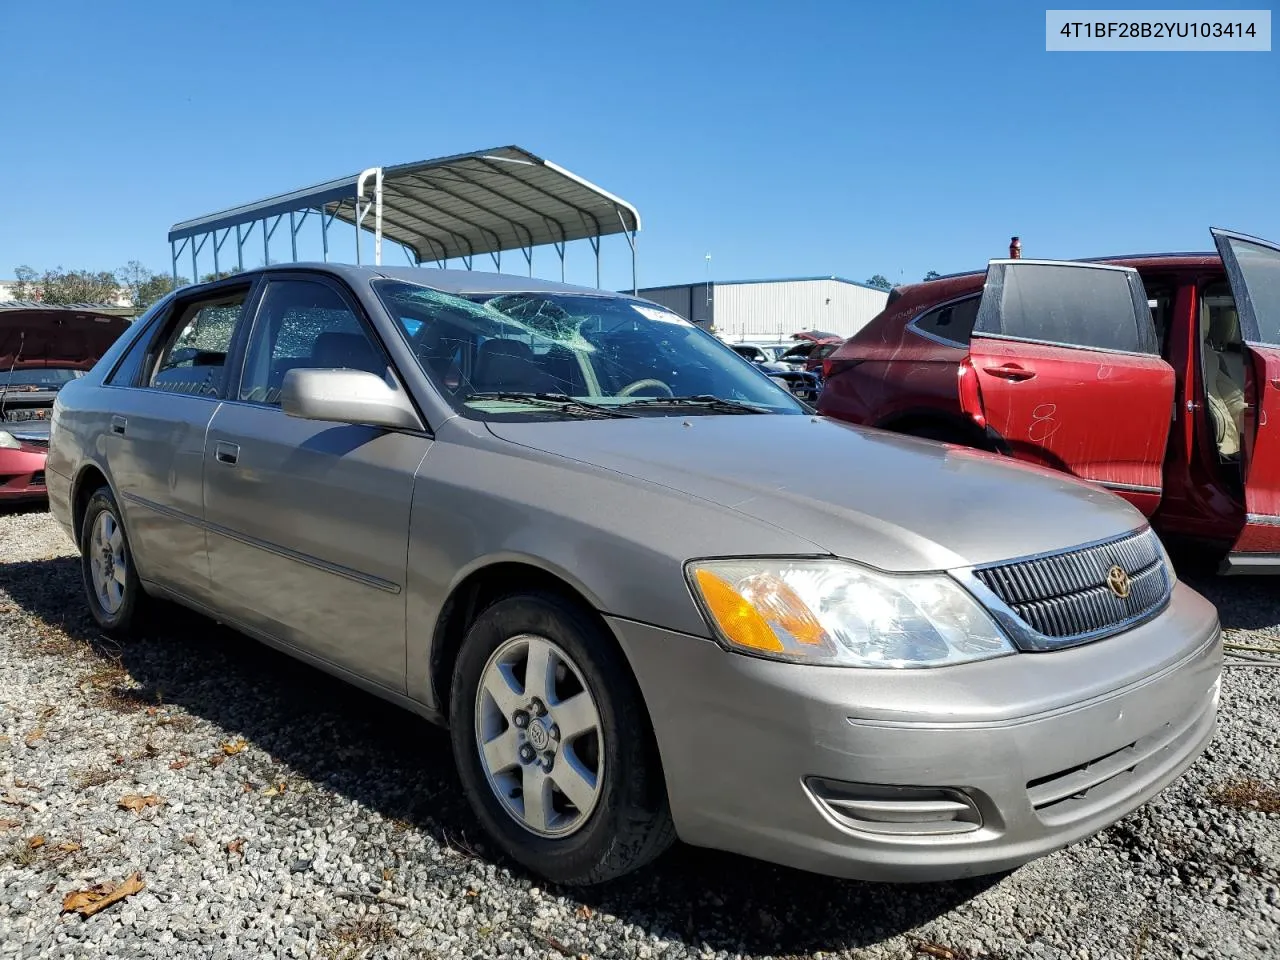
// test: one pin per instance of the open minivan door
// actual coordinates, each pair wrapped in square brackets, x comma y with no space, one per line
[1253,270]
[1065,363]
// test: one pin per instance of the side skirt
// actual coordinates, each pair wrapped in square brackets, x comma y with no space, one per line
[369,686]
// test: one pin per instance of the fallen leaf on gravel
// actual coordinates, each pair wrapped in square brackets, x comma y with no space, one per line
[179,763]
[34,737]
[24,784]
[585,912]
[152,711]
[137,802]
[935,950]
[13,801]
[7,824]
[48,712]
[216,759]
[69,846]
[232,747]
[190,838]
[472,893]
[101,895]
[4,740]
[36,842]
[236,846]
[274,790]
[552,942]
[387,874]
[247,787]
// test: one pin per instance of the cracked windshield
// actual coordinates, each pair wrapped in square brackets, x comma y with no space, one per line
[536,355]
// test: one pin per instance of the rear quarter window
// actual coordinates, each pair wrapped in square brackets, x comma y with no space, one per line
[952,322]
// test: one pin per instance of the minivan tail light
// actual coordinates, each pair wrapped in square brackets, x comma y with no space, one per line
[971,393]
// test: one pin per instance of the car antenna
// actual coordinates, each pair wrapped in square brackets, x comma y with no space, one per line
[4,394]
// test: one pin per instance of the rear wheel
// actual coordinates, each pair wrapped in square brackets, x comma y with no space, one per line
[115,595]
[553,743]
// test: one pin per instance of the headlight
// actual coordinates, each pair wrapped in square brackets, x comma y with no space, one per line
[835,613]
[8,441]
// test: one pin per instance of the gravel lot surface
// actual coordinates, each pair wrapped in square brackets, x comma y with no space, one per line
[280,813]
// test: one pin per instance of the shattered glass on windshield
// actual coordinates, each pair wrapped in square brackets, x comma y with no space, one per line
[561,355]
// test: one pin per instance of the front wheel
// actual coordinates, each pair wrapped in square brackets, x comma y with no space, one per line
[115,595]
[553,743]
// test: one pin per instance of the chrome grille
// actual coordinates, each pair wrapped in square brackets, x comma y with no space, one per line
[1065,595]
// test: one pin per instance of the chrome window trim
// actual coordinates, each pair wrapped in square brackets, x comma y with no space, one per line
[1065,346]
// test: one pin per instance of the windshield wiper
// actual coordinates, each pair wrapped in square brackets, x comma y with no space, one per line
[563,401]
[719,404]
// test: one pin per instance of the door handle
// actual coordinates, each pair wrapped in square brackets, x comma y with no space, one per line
[1010,371]
[227,453]
[118,424]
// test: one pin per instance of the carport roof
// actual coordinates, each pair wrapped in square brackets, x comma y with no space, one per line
[459,206]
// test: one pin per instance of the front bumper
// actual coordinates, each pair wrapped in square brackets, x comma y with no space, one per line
[1038,749]
[22,474]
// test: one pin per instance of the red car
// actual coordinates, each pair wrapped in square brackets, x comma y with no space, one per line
[1156,376]
[41,348]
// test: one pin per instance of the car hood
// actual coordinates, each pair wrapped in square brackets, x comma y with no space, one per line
[892,501]
[35,430]
[39,337]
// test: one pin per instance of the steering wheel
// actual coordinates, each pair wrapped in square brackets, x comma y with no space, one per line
[635,385]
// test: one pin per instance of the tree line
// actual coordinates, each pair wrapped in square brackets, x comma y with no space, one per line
[144,287]
[58,287]
[881,282]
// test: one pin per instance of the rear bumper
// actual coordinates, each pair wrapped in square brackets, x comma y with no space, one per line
[783,763]
[22,475]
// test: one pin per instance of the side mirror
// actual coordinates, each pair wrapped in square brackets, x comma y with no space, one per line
[346,396]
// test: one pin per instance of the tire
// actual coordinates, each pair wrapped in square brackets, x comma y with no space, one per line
[627,821]
[122,609]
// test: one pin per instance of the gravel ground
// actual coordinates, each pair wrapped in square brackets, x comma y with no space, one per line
[280,813]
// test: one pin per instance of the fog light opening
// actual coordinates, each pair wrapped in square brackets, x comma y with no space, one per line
[894,810]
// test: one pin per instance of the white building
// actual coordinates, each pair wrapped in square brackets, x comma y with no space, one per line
[773,309]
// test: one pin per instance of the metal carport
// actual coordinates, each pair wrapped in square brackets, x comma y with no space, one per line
[457,207]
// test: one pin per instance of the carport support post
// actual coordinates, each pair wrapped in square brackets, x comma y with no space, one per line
[595,245]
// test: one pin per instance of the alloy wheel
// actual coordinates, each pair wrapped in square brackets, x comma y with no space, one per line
[537,729]
[107,562]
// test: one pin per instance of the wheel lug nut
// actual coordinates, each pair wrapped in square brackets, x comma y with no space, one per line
[537,707]
[521,719]
[526,754]
[553,732]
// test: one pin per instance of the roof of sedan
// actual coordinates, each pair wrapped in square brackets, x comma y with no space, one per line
[450,281]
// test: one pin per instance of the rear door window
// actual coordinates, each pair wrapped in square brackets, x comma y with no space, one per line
[194,357]
[1088,306]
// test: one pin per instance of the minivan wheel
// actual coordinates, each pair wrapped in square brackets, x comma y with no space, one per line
[553,744]
[116,598]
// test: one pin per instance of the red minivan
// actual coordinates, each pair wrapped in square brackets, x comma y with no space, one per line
[1156,376]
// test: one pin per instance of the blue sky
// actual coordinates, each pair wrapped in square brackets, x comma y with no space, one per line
[793,138]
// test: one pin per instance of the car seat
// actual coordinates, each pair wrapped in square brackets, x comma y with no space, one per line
[349,351]
[503,364]
[1223,375]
